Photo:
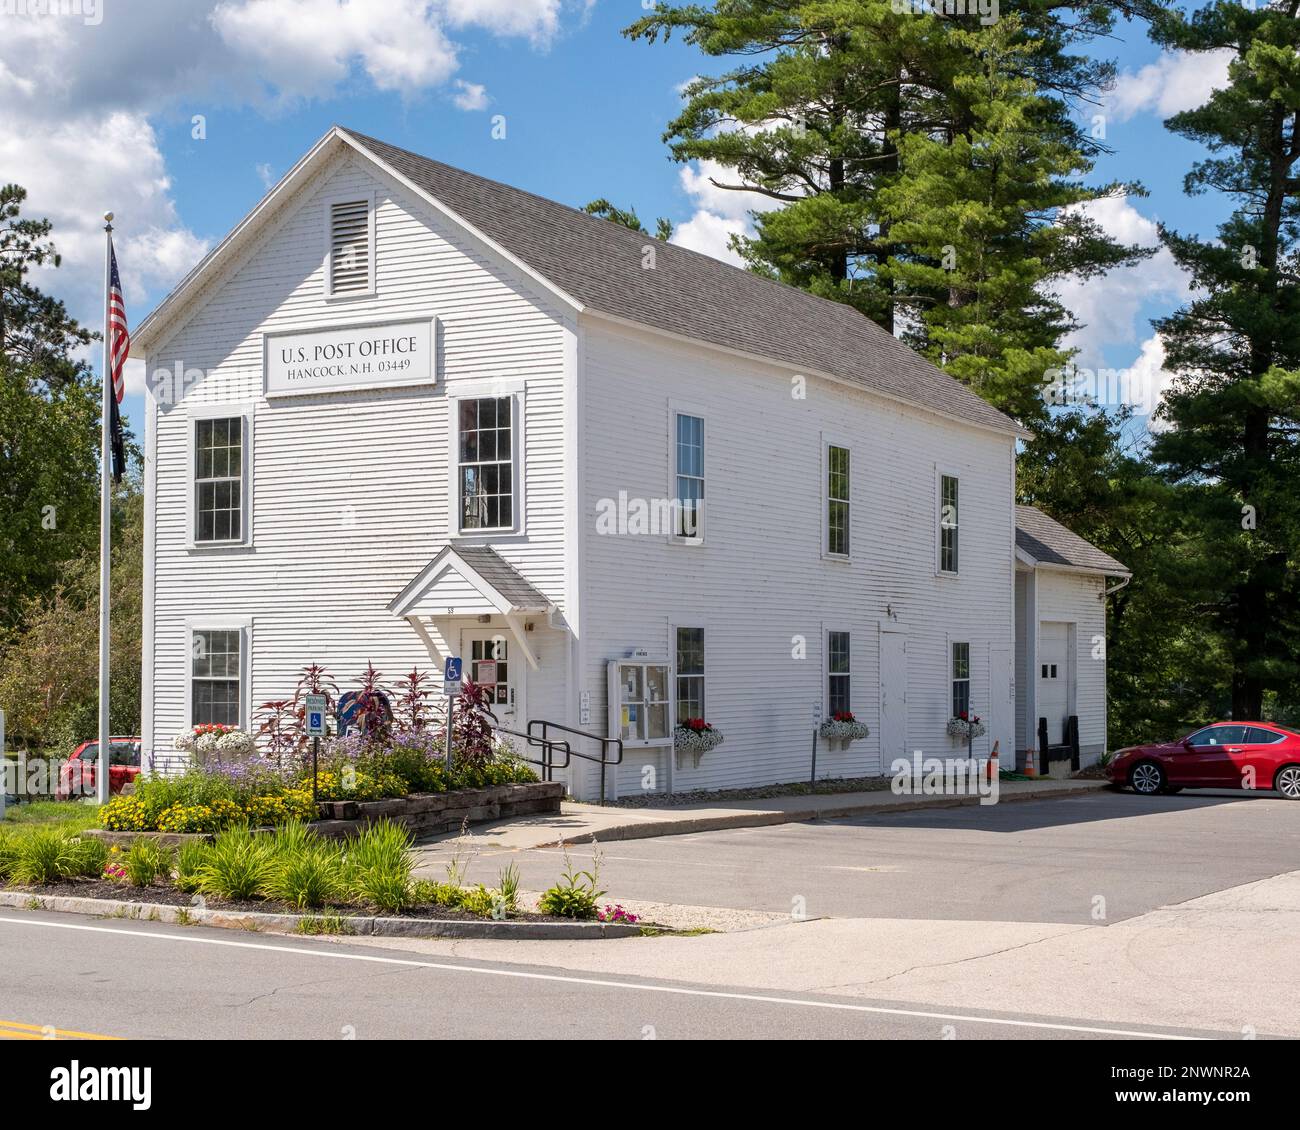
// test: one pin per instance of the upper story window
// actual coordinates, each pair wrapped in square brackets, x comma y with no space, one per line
[837,500]
[948,529]
[486,465]
[219,477]
[960,679]
[839,673]
[689,448]
[351,248]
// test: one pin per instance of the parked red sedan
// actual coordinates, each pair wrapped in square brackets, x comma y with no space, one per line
[1226,755]
[77,777]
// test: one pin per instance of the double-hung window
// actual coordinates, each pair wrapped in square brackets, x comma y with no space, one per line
[837,500]
[960,678]
[689,456]
[948,528]
[839,674]
[690,674]
[219,480]
[486,463]
[216,676]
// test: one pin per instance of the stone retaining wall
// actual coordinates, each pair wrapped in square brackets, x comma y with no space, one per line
[423,814]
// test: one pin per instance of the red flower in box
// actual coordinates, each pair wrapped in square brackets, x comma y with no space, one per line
[843,716]
[698,725]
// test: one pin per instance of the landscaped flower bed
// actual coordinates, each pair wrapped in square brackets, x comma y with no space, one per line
[288,870]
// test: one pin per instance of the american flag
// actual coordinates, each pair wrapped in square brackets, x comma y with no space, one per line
[119,345]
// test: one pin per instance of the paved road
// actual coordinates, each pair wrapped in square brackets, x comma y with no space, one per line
[1032,861]
[143,980]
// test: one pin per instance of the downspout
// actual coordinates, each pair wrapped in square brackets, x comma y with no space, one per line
[1112,591]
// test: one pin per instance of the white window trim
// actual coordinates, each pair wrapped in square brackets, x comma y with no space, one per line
[198,412]
[940,473]
[680,408]
[970,672]
[830,440]
[703,626]
[244,626]
[479,390]
[328,224]
[827,629]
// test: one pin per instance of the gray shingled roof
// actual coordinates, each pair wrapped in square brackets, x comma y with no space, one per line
[501,575]
[1050,543]
[598,263]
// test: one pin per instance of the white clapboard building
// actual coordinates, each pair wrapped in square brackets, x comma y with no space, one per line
[403,412]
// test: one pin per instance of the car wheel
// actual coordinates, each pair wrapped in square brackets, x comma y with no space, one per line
[1287,781]
[1146,778]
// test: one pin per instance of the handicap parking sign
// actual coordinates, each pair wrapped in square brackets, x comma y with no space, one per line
[451,676]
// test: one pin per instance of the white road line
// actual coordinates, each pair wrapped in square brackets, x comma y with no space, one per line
[596,982]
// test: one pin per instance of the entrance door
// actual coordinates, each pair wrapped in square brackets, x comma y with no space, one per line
[489,661]
[893,697]
[1002,707]
[1053,678]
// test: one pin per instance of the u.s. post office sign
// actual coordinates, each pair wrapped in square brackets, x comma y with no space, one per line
[349,358]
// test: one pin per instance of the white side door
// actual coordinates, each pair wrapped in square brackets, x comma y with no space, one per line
[893,697]
[489,659]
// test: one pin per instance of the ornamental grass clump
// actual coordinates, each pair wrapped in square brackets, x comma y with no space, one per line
[8,853]
[145,862]
[50,855]
[190,858]
[378,866]
[308,871]
[239,866]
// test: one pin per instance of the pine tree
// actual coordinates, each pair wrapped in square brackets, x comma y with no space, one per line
[1234,410]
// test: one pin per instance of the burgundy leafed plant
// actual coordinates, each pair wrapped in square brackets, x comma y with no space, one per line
[312,679]
[413,707]
[374,714]
[473,737]
[278,731]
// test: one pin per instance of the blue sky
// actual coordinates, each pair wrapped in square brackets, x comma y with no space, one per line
[110,108]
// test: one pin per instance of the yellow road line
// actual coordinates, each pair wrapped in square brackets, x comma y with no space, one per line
[13,1030]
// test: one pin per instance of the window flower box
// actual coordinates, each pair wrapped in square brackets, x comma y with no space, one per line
[843,727]
[216,743]
[696,736]
[965,726]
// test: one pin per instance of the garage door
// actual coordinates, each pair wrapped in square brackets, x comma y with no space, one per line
[1053,676]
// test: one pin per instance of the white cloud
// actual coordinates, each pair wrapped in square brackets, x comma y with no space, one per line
[1110,308]
[719,212]
[539,20]
[308,47]
[470,96]
[264,174]
[1149,380]
[1178,80]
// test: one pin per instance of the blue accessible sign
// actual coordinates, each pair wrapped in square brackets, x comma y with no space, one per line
[451,674]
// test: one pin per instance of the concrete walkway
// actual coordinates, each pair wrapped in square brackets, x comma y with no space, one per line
[583,823]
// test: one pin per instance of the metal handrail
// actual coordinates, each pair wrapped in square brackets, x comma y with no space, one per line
[549,747]
[603,742]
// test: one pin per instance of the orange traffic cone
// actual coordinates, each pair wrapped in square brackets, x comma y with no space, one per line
[993,762]
[1031,770]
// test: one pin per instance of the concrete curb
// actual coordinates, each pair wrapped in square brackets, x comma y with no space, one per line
[359,926]
[650,829]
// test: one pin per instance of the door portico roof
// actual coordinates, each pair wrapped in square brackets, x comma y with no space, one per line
[468,579]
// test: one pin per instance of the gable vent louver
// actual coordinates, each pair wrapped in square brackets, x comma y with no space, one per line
[350,247]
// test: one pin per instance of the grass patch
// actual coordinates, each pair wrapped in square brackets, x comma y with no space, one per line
[70,815]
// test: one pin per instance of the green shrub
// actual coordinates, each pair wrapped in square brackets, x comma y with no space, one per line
[189,862]
[239,865]
[479,900]
[378,866]
[575,895]
[145,862]
[308,871]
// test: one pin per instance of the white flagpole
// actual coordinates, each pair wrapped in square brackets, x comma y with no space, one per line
[105,526]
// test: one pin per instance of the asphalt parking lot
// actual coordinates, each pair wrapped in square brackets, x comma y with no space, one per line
[1085,860]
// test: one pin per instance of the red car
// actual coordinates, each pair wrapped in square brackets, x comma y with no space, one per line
[77,777]
[1226,755]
